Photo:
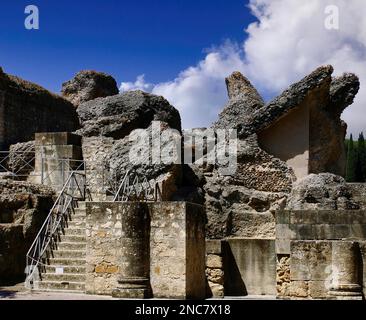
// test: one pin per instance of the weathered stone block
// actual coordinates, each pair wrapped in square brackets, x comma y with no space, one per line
[250,267]
[324,217]
[323,231]
[299,289]
[303,217]
[311,260]
[358,231]
[216,289]
[283,217]
[302,232]
[283,231]
[57,138]
[283,246]
[341,231]
[213,247]
[319,289]
[214,261]
[215,275]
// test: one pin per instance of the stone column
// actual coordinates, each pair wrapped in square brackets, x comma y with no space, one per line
[362,245]
[134,280]
[345,270]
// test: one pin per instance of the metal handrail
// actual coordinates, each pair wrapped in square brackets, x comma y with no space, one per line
[71,192]
[26,158]
[140,189]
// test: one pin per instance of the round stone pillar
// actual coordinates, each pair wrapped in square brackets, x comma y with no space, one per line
[345,270]
[134,280]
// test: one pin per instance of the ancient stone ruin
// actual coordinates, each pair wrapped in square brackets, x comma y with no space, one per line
[77,214]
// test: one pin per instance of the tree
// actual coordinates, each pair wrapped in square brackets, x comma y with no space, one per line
[361,159]
[351,161]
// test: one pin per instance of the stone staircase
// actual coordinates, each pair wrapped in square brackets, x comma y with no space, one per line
[65,271]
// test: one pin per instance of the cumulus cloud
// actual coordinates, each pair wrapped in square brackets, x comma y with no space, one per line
[139,84]
[288,41]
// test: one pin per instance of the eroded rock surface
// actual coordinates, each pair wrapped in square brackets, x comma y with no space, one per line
[322,192]
[118,115]
[27,108]
[88,85]
[23,209]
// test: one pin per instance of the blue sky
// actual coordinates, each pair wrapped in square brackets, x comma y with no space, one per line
[182,49]
[157,38]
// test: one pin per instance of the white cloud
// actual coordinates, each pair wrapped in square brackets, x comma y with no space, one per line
[139,84]
[288,41]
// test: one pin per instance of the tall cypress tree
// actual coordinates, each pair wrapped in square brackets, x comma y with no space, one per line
[361,159]
[351,161]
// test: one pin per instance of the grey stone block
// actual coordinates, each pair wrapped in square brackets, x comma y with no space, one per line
[302,232]
[283,231]
[57,138]
[213,247]
[304,217]
[323,232]
[358,231]
[342,231]
[283,246]
[283,217]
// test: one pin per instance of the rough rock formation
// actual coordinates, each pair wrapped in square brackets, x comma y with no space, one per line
[116,118]
[27,108]
[323,191]
[23,209]
[118,115]
[88,85]
[22,158]
[326,98]
[288,100]
[244,99]
[122,158]
[265,176]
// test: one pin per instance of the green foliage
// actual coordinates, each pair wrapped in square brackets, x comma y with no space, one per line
[356,159]
[351,161]
[361,159]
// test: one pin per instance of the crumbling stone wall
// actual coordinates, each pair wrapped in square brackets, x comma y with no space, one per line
[23,209]
[215,269]
[26,108]
[95,154]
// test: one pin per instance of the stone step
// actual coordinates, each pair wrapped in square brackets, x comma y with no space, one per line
[66,269]
[81,205]
[76,224]
[72,246]
[77,218]
[73,238]
[69,254]
[75,231]
[64,277]
[78,211]
[55,285]
[67,262]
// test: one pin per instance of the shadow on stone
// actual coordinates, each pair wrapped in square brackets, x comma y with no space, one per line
[234,284]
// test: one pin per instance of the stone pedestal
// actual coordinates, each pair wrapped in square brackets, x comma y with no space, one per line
[345,270]
[134,280]
[56,155]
